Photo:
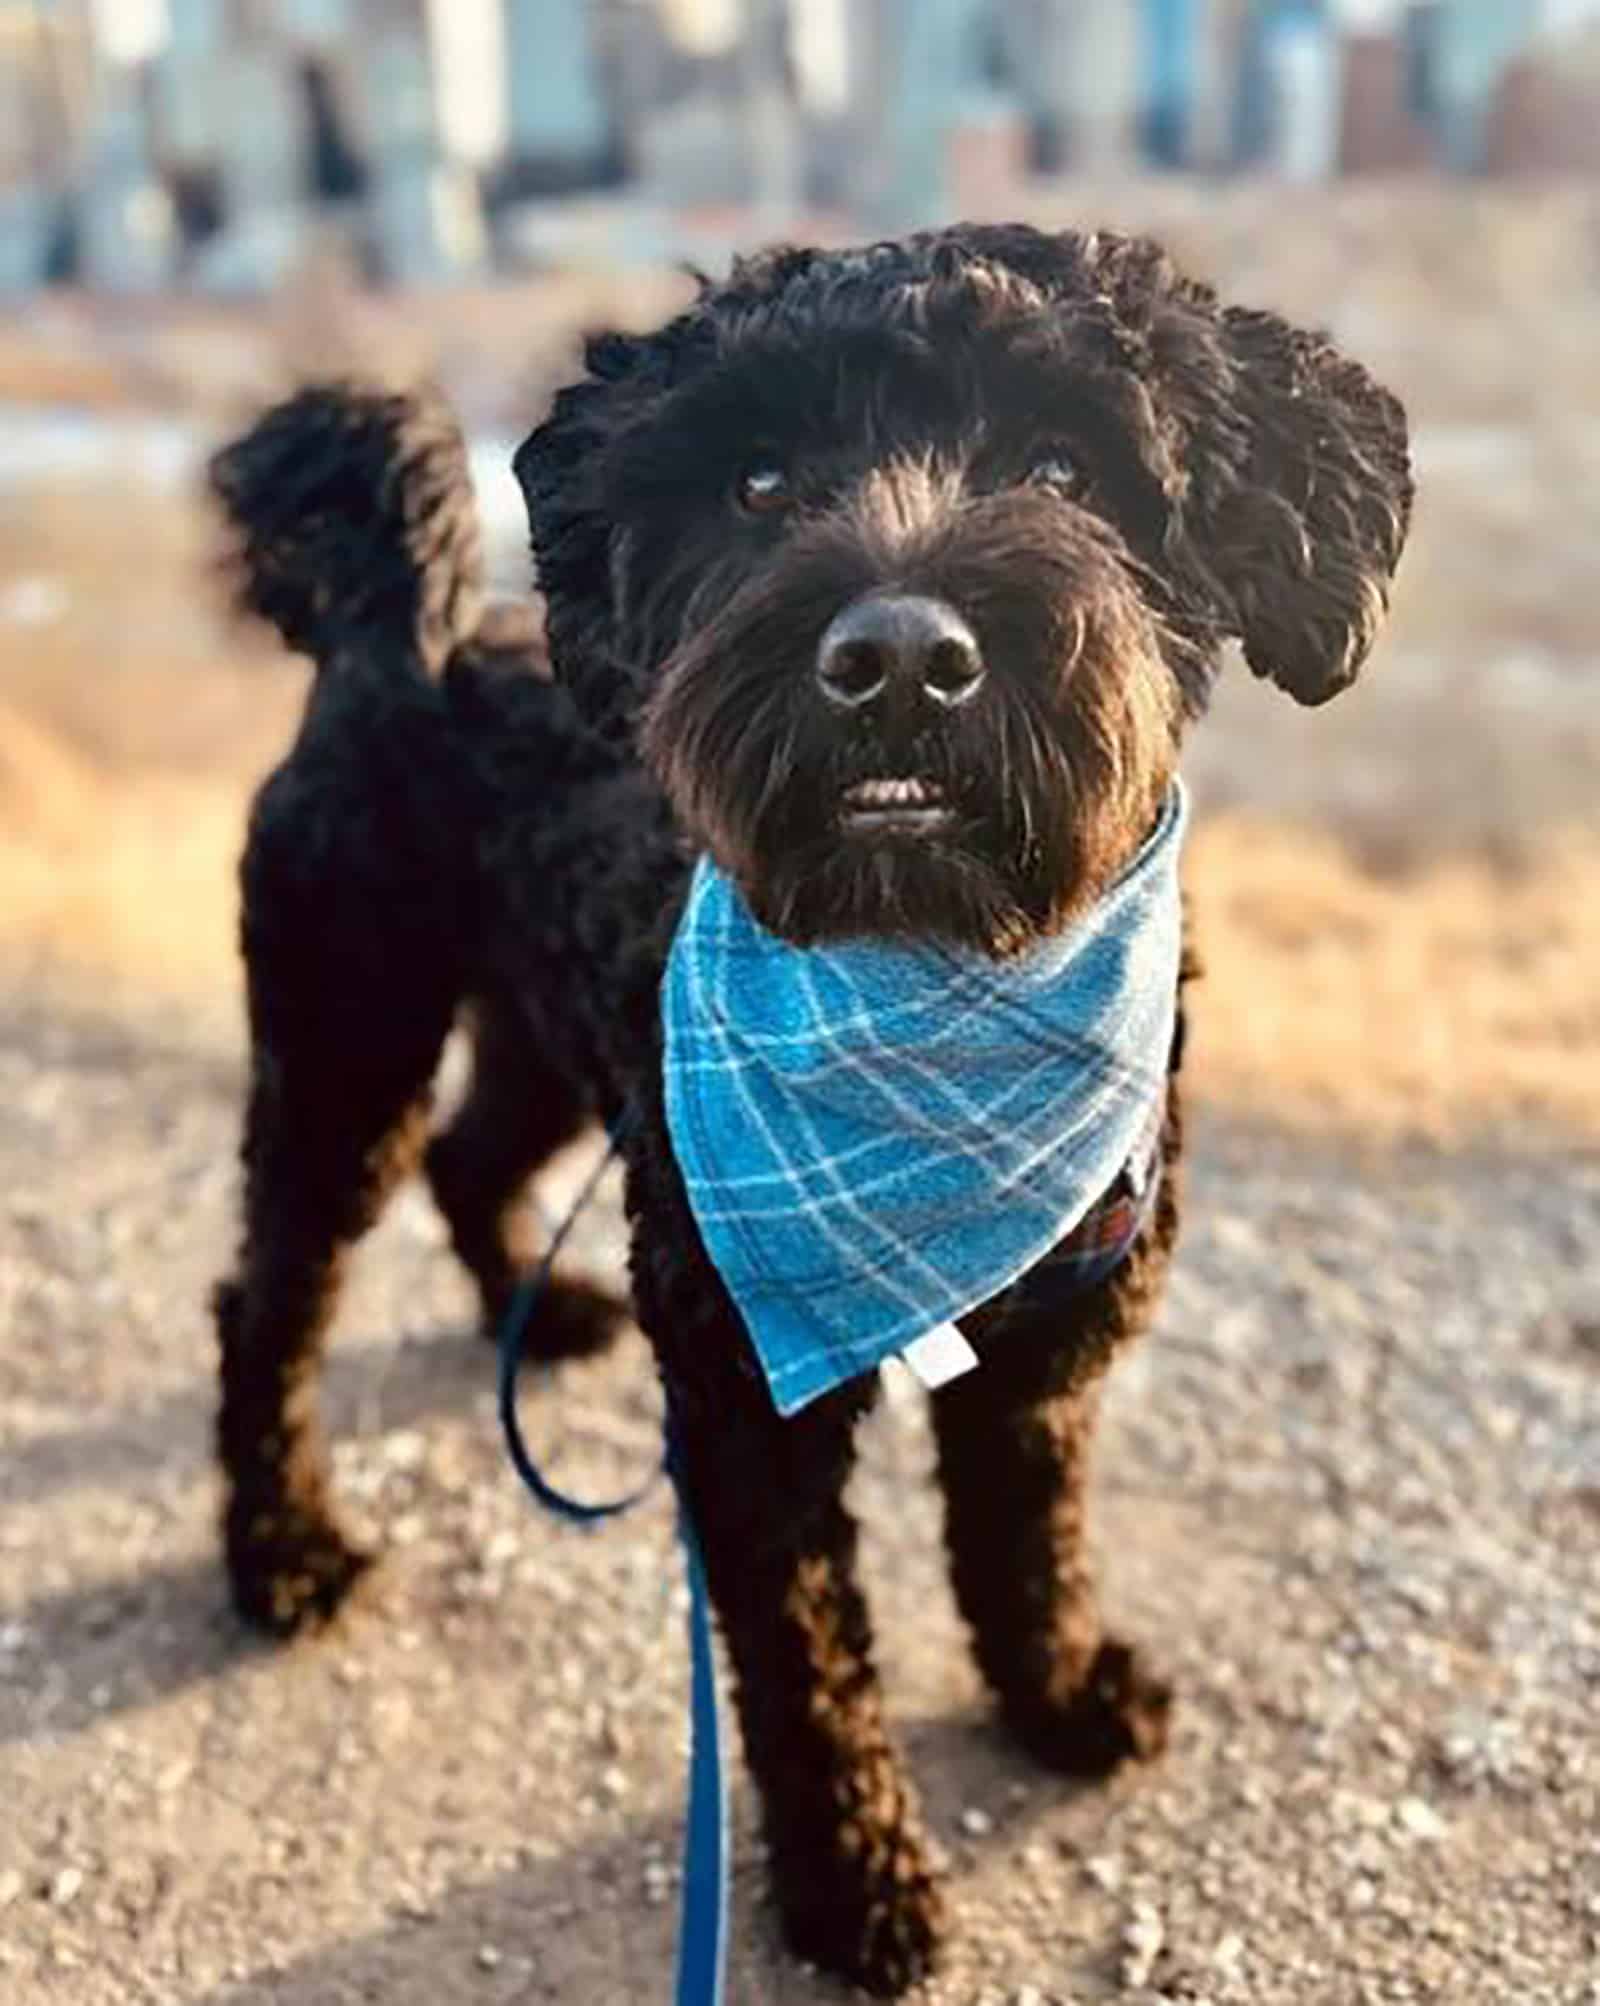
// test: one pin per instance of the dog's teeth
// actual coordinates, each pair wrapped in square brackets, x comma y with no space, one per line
[906,793]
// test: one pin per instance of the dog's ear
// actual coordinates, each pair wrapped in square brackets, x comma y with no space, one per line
[1285,465]
[564,469]
[559,468]
[1298,496]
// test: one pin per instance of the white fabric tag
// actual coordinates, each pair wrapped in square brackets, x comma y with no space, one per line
[939,1355]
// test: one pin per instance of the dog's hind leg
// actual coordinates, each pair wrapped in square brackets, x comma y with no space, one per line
[1013,1440]
[517,1113]
[348,1017]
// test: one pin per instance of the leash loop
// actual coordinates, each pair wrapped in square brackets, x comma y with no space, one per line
[703,1906]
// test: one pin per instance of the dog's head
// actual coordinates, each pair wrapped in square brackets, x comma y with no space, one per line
[908,563]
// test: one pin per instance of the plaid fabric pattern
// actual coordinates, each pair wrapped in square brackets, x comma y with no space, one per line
[1103,1238]
[875,1139]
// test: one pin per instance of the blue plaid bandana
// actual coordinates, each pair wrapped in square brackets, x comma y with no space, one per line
[875,1138]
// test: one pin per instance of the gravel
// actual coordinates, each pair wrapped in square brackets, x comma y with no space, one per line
[1351,1494]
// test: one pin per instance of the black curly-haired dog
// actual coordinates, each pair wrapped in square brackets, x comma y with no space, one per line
[1055,449]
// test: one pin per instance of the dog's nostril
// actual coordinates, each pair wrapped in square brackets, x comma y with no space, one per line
[853,671]
[952,671]
[902,638]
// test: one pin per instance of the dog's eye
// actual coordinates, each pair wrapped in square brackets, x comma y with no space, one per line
[763,488]
[1059,472]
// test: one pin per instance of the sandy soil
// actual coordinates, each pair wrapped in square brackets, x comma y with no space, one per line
[1351,1492]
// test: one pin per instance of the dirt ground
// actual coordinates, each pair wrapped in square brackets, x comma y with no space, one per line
[1350,1491]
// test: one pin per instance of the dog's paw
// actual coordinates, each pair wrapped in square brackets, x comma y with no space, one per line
[291,1573]
[1121,1713]
[880,1930]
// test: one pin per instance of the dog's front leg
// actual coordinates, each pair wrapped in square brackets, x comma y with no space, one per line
[1014,1440]
[848,1855]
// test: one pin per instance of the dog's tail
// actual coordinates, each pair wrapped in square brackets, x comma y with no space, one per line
[353,521]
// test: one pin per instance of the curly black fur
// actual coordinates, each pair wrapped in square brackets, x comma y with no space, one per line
[353,515]
[1106,474]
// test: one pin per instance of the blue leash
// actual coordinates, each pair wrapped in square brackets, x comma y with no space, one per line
[703,1909]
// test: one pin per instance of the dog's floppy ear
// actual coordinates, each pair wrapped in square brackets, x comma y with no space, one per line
[1299,498]
[559,469]
[1286,463]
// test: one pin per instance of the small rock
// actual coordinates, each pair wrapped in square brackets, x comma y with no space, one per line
[1105,1870]
[10,1887]
[1028,1995]
[976,1823]
[1393,1740]
[174,1776]
[488,1957]
[64,1888]
[404,1451]
[1142,1940]
[1419,1819]
[613,1784]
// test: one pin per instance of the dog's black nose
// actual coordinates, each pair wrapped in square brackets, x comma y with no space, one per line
[899,639]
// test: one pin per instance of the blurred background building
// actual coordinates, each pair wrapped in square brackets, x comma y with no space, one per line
[214,143]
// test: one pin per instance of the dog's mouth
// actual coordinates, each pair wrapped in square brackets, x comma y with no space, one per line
[906,806]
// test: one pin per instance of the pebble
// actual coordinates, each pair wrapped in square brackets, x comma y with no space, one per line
[977,1824]
[1142,1940]
[1393,1740]
[488,1957]
[10,1887]
[65,1887]
[1105,1870]
[1420,1819]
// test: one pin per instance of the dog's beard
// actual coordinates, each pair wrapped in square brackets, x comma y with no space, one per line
[1038,812]
[982,876]
[1047,782]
